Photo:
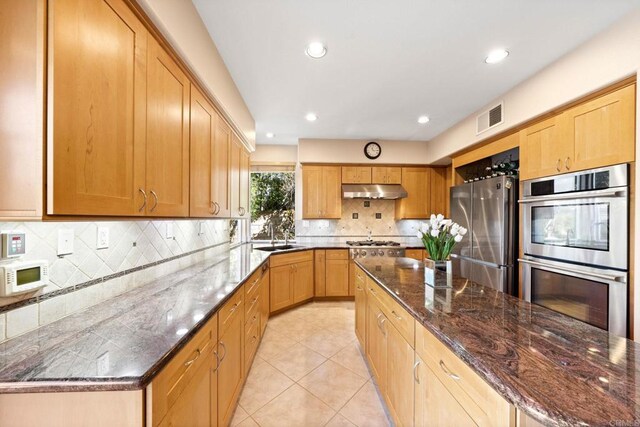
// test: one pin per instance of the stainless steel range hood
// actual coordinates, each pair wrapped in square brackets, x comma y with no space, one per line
[373,191]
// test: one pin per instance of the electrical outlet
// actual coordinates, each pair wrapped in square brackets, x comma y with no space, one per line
[202,227]
[170,234]
[65,241]
[102,241]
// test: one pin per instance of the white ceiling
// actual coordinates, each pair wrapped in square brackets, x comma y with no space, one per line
[389,61]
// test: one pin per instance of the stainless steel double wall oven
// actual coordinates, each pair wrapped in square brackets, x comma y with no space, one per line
[576,244]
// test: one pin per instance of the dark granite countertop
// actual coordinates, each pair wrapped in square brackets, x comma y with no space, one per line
[557,370]
[122,343]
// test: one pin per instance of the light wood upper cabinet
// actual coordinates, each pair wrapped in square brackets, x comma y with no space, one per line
[22,36]
[356,175]
[544,147]
[439,191]
[167,169]
[417,205]
[239,176]
[203,125]
[221,194]
[603,130]
[97,110]
[321,192]
[386,175]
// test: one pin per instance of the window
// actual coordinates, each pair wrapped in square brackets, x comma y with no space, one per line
[272,204]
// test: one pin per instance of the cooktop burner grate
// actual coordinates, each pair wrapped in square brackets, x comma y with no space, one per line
[372,243]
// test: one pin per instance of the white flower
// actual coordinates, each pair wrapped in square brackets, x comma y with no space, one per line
[462,231]
[439,217]
[432,217]
[419,235]
[446,223]
[458,238]
[424,227]
[454,229]
[435,232]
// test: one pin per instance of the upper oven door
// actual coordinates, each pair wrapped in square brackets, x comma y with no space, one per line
[587,227]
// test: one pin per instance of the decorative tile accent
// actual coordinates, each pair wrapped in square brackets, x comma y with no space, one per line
[357,219]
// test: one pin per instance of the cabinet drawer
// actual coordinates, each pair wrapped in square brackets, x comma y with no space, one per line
[229,310]
[481,402]
[252,284]
[338,254]
[251,341]
[292,258]
[253,314]
[397,315]
[251,299]
[168,385]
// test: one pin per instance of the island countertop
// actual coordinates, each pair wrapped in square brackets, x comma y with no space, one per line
[556,369]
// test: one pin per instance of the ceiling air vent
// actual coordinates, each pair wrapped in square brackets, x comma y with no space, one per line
[490,118]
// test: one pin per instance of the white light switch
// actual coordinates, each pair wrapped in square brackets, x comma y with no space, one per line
[201,227]
[170,234]
[65,241]
[102,241]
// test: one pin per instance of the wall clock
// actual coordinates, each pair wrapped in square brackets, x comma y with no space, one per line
[372,150]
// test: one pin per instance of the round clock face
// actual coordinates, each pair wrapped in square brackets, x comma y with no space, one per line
[372,150]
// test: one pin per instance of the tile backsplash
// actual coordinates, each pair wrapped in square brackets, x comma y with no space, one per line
[90,275]
[348,226]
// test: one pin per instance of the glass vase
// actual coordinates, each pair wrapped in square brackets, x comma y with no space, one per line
[438,274]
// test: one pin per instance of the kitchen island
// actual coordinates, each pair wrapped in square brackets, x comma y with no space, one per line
[552,368]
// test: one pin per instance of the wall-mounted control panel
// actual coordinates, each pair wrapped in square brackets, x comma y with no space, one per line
[13,244]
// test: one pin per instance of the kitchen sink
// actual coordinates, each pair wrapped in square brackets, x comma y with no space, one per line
[277,248]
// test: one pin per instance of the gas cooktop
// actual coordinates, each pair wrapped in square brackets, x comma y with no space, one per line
[372,243]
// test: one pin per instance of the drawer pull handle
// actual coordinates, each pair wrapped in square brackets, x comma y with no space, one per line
[559,165]
[190,362]
[235,306]
[254,339]
[415,372]
[155,205]
[566,163]
[372,291]
[396,314]
[224,354]
[448,372]
[215,354]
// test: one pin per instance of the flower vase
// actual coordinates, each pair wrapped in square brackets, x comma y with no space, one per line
[437,274]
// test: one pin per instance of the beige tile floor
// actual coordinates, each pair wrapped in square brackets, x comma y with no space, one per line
[309,371]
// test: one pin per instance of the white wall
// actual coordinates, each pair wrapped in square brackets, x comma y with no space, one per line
[609,57]
[275,154]
[182,26]
[351,151]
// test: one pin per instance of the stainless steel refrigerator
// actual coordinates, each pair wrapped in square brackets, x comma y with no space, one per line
[487,254]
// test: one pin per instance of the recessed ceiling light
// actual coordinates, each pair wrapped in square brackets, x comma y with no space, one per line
[312,117]
[316,50]
[270,135]
[496,56]
[423,119]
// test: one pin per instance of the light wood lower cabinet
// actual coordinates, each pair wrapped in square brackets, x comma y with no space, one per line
[291,280]
[302,281]
[434,404]
[264,299]
[361,305]
[337,272]
[376,344]
[399,382]
[418,254]
[231,366]
[320,267]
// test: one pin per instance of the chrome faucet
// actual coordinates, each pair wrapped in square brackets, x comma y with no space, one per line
[273,240]
[286,237]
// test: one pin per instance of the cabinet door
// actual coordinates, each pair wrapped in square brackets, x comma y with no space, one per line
[400,382]
[352,278]
[394,175]
[417,205]
[97,103]
[231,368]
[356,175]
[320,272]
[312,194]
[414,253]
[303,281]
[221,172]
[603,130]
[167,168]
[264,302]
[337,277]
[203,122]
[332,189]
[434,405]
[244,183]
[22,36]
[281,289]
[439,193]
[360,306]
[194,406]
[234,175]
[377,343]
[378,175]
[544,148]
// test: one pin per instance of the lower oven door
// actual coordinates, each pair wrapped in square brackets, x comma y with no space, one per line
[592,295]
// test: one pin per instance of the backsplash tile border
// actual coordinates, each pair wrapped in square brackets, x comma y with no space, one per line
[99,280]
